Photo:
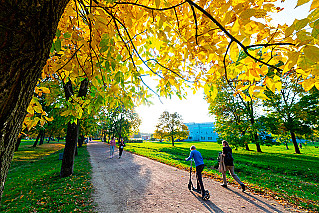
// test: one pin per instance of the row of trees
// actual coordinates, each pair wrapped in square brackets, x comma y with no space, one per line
[287,113]
[57,115]
[119,122]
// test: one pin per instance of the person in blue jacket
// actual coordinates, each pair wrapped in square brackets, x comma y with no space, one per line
[199,163]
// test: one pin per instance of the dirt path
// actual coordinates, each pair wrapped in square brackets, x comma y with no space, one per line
[138,184]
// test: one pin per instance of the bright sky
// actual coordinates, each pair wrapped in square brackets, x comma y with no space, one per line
[195,108]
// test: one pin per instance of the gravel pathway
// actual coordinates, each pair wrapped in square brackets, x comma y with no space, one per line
[138,184]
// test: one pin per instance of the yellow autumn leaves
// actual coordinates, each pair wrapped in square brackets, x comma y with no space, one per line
[114,44]
[35,111]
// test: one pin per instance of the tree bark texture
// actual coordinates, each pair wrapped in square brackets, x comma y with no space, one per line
[69,150]
[27,29]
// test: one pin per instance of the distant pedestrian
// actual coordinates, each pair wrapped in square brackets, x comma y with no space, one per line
[300,145]
[229,165]
[199,163]
[121,147]
[112,146]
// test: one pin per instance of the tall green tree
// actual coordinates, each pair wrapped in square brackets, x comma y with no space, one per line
[236,114]
[309,104]
[284,107]
[172,126]
[120,122]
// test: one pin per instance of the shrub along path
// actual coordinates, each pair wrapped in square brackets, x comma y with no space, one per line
[138,184]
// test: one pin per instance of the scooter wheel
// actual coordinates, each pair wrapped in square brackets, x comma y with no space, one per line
[207,195]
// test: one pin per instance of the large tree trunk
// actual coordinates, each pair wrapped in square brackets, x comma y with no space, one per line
[27,31]
[69,150]
[294,141]
[72,134]
[71,139]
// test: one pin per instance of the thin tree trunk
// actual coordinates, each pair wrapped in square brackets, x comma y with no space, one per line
[27,31]
[247,147]
[257,144]
[72,135]
[37,139]
[258,147]
[252,121]
[294,141]
[17,144]
[42,136]
[81,141]
[49,138]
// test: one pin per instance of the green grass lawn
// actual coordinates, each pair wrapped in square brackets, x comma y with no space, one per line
[33,183]
[276,172]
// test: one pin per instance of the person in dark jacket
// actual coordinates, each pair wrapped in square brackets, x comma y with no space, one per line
[121,147]
[229,164]
[199,163]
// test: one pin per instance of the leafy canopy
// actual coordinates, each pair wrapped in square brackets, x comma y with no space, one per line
[115,44]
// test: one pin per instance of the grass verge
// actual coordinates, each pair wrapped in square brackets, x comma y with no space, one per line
[33,183]
[276,172]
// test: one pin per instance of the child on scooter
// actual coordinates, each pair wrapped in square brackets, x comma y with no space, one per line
[199,162]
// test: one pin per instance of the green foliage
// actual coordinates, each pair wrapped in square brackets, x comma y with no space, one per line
[35,186]
[120,122]
[171,127]
[277,171]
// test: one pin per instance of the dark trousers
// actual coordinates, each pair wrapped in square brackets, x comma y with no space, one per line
[200,184]
[120,150]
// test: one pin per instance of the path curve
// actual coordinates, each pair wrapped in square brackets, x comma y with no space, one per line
[138,184]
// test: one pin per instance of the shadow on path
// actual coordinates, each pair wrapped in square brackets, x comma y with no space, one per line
[209,205]
[116,181]
[251,200]
[137,184]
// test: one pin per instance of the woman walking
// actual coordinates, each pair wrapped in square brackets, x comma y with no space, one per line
[229,165]
[112,145]
[121,147]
